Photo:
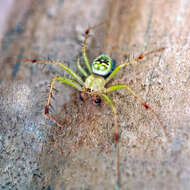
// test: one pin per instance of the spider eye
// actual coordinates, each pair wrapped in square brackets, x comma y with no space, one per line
[102,65]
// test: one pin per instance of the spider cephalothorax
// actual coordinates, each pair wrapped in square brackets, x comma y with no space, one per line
[95,99]
[94,83]
[97,75]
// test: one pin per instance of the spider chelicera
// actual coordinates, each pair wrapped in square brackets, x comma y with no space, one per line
[97,76]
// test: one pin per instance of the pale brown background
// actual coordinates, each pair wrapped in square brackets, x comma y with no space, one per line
[82,155]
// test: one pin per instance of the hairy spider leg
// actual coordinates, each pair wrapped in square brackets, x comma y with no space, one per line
[85,57]
[121,86]
[80,68]
[131,62]
[116,138]
[62,65]
[63,80]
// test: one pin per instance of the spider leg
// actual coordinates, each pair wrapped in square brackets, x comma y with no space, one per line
[131,62]
[62,65]
[84,73]
[116,138]
[121,86]
[63,80]
[85,57]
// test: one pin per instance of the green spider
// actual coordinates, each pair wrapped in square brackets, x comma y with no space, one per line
[97,75]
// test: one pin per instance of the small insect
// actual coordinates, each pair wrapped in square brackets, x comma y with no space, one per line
[95,85]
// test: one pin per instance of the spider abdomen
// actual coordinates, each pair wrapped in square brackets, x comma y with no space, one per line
[103,65]
[94,83]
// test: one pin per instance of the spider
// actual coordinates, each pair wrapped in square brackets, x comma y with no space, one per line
[96,78]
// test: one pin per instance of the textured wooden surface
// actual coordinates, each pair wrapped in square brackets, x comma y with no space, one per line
[82,155]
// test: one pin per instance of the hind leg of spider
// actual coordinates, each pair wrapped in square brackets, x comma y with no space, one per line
[60,64]
[116,138]
[83,72]
[65,81]
[131,62]
[117,87]
[85,57]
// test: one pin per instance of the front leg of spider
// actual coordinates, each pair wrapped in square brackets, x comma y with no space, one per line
[77,83]
[117,87]
[63,80]
[116,138]
[101,72]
